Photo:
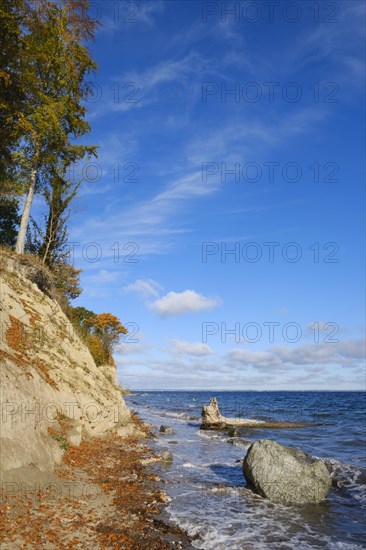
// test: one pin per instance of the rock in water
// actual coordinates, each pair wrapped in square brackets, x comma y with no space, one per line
[285,474]
[211,415]
[233,432]
[166,457]
[166,430]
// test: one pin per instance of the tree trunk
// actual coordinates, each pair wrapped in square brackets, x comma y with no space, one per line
[49,237]
[19,247]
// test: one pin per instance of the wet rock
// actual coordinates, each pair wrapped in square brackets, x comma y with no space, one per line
[285,474]
[211,413]
[166,430]
[166,457]
[233,432]
[239,442]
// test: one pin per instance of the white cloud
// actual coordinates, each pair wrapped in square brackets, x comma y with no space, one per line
[185,367]
[146,288]
[353,349]
[197,349]
[175,303]
[178,303]
[344,353]
[134,348]
[258,359]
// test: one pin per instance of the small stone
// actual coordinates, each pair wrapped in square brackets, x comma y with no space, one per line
[166,456]
[233,432]
[166,430]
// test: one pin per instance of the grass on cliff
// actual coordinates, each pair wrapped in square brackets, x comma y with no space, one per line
[48,282]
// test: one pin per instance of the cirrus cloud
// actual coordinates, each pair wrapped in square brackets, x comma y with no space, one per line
[147,288]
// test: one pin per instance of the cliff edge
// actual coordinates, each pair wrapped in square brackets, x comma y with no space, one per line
[52,392]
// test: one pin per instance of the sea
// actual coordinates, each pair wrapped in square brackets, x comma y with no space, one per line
[209,497]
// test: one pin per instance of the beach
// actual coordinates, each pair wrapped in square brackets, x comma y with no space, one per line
[103,495]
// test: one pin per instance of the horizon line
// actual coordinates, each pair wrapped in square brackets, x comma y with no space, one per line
[248,390]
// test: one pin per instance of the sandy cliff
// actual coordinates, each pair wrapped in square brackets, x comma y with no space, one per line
[52,392]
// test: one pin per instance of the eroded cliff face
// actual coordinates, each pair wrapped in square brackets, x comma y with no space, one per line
[52,393]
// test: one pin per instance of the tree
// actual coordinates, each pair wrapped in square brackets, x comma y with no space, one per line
[99,353]
[9,221]
[107,328]
[11,89]
[78,316]
[66,280]
[55,63]
[55,240]
[100,332]
[51,241]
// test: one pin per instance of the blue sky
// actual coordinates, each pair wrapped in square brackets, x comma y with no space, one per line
[225,132]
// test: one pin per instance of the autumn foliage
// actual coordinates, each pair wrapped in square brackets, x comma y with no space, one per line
[107,328]
[100,332]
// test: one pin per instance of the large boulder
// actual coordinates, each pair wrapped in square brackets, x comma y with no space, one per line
[285,474]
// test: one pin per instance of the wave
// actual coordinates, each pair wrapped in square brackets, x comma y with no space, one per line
[212,435]
[207,466]
[347,478]
[222,436]
[183,416]
[239,442]
[267,534]
[256,524]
